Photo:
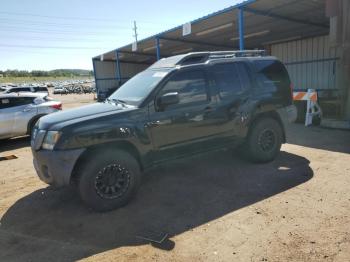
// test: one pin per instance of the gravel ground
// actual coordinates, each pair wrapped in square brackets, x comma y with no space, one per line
[216,207]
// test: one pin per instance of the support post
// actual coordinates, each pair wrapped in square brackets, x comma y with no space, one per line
[95,77]
[241,28]
[158,48]
[118,72]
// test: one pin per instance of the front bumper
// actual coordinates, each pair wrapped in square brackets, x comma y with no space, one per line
[55,167]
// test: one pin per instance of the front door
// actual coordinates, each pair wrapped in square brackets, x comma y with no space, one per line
[185,127]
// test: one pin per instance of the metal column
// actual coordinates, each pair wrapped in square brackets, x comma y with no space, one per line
[118,72]
[158,48]
[241,28]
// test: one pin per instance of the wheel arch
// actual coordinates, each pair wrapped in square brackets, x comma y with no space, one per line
[268,114]
[32,121]
[105,148]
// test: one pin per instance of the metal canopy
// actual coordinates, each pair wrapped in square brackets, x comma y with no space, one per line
[263,22]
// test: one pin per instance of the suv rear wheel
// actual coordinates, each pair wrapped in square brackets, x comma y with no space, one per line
[109,181]
[264,140]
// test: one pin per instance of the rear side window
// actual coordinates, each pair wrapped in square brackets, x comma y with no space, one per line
[272,74]
[227,79]
[20,101]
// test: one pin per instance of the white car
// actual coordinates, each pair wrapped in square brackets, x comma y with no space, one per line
[32,89]
[20,111]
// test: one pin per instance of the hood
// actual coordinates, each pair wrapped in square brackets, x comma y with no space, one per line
[81,113]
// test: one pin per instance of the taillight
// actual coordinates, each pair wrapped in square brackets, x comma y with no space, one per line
[57,106]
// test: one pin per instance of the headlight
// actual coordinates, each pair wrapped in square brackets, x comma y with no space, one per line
[51,139]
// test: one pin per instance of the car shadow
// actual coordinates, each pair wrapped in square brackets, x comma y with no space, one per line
[52,224]
[14,143]
[334,140]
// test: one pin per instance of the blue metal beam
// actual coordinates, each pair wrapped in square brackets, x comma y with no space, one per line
[94,68]
[158,48]
[195,42]
[290,19]
[241,28]
[135,53]
[118,72]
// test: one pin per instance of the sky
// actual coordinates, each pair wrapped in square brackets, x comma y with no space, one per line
[54,34]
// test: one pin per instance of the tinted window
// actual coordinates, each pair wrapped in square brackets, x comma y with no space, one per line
[20,101]
[227,79]
[190,85]
[272,74]
[40,89]
[19,89]
[244,75]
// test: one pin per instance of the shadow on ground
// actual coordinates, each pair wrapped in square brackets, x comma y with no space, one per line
[334,140]
[14,143]
[50,225]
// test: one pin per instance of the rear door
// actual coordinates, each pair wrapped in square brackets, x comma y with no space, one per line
[232,84]
[7,117]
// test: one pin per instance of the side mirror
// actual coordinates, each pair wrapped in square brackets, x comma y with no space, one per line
[168,99]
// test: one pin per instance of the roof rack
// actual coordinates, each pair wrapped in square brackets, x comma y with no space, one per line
[243,53]
[202,57]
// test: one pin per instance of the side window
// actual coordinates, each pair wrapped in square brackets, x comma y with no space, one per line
[272,74]
[244,75]
[40,89]
[5,103]
[21,101]
[20,89]
[190,85]
[227,79]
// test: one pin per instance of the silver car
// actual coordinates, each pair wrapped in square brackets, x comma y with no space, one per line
[19,112]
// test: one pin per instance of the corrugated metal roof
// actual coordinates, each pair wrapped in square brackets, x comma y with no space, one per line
[266,21]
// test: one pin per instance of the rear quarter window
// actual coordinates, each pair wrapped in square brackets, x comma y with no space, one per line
[272,74]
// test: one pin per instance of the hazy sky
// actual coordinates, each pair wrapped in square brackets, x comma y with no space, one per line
[50,34]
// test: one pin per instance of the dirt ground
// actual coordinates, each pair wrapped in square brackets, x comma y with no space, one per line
[217,207]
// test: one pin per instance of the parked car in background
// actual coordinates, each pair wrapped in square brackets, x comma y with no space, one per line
[20,111]
[59,90]
[32,89]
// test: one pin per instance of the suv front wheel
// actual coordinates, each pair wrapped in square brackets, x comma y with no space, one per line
[264,140]
[109,180]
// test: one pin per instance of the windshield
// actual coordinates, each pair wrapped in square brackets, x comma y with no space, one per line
[135,90]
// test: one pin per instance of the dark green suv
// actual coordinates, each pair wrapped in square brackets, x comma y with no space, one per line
[180,106]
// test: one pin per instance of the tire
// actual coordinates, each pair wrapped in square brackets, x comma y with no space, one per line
[109,180]
[264,140]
